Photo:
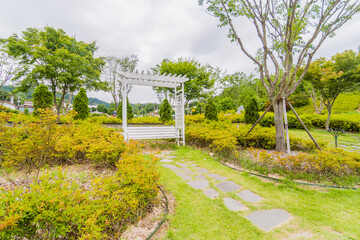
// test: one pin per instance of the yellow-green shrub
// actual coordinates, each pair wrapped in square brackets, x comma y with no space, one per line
[332,162]
[58,208]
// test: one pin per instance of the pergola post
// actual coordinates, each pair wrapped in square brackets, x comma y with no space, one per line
[183,112]
[124,110]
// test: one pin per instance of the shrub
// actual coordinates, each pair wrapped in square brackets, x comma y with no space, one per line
[210,111]
[58,208]
[333,162]
[165,111]
[81,105]
[42,97]
[130,113]
[251,112]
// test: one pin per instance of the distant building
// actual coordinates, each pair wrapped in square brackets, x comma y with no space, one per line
[27,104]
[8,105]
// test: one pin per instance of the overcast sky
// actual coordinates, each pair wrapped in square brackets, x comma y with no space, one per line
[151,29]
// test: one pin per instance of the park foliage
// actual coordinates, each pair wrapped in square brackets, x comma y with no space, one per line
[53,205]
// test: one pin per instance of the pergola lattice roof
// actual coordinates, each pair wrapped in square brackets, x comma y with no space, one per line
[155,80]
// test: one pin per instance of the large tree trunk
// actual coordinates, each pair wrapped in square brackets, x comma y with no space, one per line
[279,125]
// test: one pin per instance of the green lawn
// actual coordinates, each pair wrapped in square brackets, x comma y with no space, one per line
[348,141]
[324,213]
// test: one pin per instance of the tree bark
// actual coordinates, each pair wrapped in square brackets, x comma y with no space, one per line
[279,125]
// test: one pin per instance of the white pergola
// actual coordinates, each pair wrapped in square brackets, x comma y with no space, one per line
[155,80]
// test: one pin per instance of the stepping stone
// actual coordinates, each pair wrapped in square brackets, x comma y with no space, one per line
[233,205]
[200,177]
[202,170]
[192,164]
[184,176]
[170,166]
[182,165]
[188,172]
[166,160]
[211,193]
[170,156]
[228,186]
[269,219]
[217,177]
[249,196]
[198,184]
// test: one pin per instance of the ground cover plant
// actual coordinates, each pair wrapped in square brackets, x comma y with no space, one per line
[53,206]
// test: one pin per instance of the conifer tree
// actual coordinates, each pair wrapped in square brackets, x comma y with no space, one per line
[210,111]
[130,113]
[251,111]
[165,111]
[42,97]
[81,105]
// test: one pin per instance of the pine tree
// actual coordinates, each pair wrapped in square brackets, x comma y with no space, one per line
[81,105]
[42,98]
[210,111]
[130,113]
[165,111]
[251,112]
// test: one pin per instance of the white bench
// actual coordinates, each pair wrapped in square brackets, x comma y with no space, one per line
[152,132]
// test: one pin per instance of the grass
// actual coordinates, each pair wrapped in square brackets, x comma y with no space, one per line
[348,141]
[325,213]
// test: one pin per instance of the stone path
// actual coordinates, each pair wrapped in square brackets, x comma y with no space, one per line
[202,179]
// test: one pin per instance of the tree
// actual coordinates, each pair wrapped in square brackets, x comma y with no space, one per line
[102,108]
[241,88]
[200,78]
[130,113]
[333,76]
[8,65]
[251,111]
[225,104]
[42,97]
[165,111]
[290,33]
[210,111]
[51,57]
[112,74]
[81,105]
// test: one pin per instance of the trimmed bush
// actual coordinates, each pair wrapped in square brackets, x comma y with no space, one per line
[165,111]
[81,105]
[251,112]
[210,111]
[42,98]
[130,113]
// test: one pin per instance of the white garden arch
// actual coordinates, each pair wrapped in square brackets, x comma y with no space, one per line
[155,80]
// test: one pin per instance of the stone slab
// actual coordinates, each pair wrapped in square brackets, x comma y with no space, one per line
[217,177]
[200,177]
[198,184]
[233,205]
[170,156]
[269,219]
[192,164]
[249,196]
[228,186]
[166,161]
[211,193]
[182,165]
[184,176]
[202,170]
[188,172]
[170,166]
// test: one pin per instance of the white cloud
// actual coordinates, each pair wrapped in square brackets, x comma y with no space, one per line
[153,30]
